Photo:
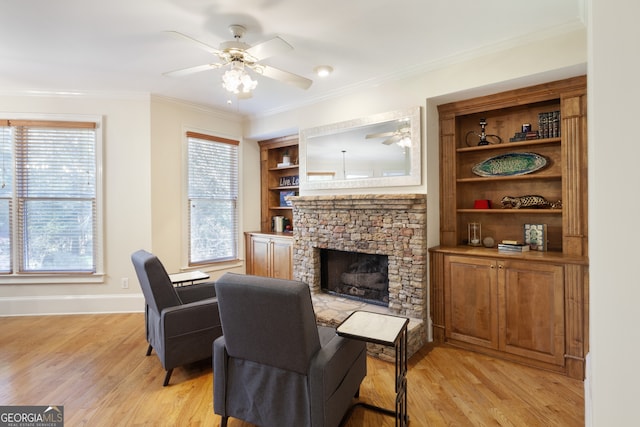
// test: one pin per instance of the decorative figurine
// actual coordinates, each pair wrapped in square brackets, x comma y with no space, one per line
[530,201]
[485,139]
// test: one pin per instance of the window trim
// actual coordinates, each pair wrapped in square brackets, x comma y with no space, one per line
[185,236]
[57,278]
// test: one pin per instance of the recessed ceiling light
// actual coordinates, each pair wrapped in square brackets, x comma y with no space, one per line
[323,70]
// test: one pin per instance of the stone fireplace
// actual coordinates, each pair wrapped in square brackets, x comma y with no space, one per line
[391,225]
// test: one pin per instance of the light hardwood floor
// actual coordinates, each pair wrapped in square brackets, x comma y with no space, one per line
[95,366]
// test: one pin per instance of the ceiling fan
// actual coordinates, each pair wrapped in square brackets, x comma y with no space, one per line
[400,136]
[237,55]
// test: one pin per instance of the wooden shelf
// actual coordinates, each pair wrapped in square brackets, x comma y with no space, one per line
[282,168]
[510,178]
[513,211]
[284,188]
[535,256]
[508,145]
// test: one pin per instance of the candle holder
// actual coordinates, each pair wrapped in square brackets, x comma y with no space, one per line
[475,233]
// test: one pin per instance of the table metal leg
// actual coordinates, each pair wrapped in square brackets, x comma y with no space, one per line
[402,419]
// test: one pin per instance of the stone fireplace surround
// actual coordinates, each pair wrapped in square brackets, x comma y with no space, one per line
[386,224]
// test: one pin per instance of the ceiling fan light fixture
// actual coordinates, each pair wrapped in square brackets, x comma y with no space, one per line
[405,142]
[323,70]
[237,80]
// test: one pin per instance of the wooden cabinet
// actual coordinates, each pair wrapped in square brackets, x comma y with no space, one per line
[471,300]
[529,307]
[269,255]
[272,172]
[511,306]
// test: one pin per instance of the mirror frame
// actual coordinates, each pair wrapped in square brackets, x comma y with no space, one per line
[415,173]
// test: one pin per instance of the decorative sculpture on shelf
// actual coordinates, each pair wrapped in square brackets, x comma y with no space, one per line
[529,201]
[485,139]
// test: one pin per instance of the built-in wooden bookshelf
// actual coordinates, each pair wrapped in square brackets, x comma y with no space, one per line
[528,307]
[272,170]
[269,251]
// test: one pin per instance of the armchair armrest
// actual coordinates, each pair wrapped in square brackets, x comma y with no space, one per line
[196,292]
[331,363]
[191,317]
[335,374]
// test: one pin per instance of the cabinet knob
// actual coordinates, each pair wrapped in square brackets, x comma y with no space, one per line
[500,266]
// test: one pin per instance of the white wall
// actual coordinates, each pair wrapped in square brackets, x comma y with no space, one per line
[142,149]
[614,150]
[170,119]
[127,206]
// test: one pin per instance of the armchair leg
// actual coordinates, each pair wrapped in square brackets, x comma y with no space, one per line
[149,350]
[223,421]
[166,378]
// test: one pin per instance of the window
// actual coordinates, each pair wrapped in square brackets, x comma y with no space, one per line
[212,187]
[48,197]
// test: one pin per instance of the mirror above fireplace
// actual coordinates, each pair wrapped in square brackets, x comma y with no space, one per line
[376,151]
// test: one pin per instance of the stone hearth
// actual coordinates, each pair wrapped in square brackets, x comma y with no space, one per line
[393,225]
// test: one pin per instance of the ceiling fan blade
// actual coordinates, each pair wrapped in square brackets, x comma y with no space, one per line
[202,45]
[380,135]
[191,70]
[269,48]
[285,76]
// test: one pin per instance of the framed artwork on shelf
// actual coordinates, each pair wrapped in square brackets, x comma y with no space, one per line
[283,195]
[535,235]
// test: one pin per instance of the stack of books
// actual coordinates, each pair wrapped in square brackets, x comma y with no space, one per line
[512,246]
[549,124]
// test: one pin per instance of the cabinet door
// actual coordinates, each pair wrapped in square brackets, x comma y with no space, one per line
[531,320]
[281,259]
[260,256]
[471,312]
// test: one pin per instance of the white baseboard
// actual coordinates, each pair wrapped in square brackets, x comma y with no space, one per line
[71,304]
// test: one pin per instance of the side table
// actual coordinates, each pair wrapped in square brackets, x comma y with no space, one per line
[386,330]
[179,279]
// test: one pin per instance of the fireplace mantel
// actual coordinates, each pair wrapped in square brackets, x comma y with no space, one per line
[363,201]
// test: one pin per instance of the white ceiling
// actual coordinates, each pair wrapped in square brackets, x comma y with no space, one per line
[121,45]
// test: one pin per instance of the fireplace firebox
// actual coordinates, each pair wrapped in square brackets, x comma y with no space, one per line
[355,275]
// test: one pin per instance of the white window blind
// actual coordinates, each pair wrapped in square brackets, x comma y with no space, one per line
[212,198]
[6,197]
[52,197]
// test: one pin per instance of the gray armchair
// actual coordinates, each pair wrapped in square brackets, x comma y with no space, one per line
[181,323]
[274,366]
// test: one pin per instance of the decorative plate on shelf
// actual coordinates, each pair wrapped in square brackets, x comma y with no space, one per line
[510,164]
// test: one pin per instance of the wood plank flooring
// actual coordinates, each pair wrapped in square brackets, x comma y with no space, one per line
[95,366]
